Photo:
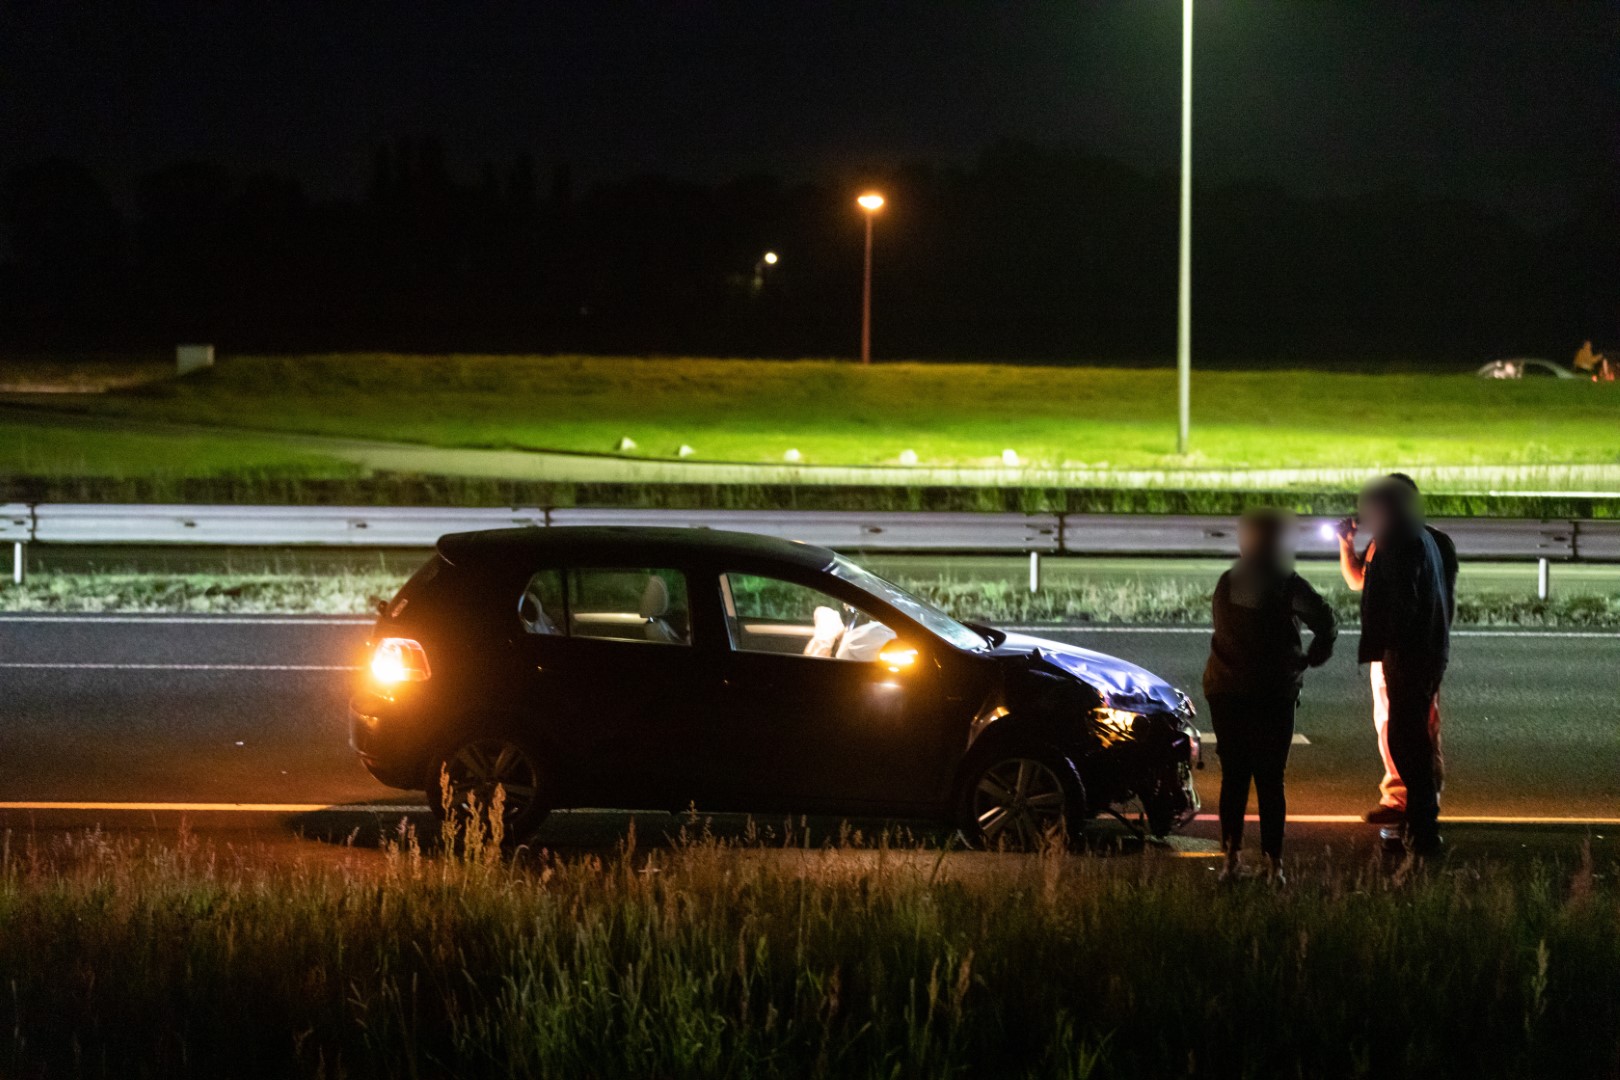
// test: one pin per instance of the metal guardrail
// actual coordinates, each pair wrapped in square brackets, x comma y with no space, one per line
[1068,534]
[324,526]
[903,531]
[854,530]
[918,531]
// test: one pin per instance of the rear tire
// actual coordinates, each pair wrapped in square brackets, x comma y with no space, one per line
[475,768]
[1021,801]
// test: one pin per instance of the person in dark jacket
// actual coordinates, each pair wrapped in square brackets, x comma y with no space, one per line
[1406,609]
[1252,681]
[1391,809]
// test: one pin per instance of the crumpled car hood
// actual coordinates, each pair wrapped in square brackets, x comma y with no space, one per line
[1122,684]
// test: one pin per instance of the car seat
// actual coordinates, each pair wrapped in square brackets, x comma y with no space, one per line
[533,613]
[654,606]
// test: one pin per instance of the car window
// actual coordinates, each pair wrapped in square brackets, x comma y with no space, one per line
[540,607]
[921,610]
[769,615]
[629,605]
[616,604]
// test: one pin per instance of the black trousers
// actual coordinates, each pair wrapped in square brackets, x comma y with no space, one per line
[1252,735]
[1412,688]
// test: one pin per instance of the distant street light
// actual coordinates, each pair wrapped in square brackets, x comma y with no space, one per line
[870,203]
[1184,255]
[766,261]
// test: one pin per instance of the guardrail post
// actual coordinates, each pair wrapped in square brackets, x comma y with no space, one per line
[19,563]
[1034,572]
[1543,578]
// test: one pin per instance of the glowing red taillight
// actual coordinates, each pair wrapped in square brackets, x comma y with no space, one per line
[398,660]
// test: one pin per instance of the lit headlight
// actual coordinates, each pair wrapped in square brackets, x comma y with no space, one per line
[1118,719]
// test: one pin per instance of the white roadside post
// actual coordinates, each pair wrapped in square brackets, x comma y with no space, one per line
[1543,579]
[1034,572]
[17,525]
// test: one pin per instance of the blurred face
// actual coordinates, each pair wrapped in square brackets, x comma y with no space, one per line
[1265,541]
[1374,514]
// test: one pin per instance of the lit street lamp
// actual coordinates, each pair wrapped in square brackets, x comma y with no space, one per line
[766,261]
[870,203]
[1184,255]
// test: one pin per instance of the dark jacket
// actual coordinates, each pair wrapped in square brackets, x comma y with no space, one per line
[1448,567]
[1406,602]
[1256,647]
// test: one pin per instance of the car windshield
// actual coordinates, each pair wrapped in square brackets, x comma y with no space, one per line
[921,611]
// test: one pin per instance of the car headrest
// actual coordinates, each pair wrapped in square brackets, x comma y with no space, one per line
[654,598]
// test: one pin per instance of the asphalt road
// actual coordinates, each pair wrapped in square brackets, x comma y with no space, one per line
[206,710]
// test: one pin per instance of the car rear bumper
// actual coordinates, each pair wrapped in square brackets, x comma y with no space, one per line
[383,744]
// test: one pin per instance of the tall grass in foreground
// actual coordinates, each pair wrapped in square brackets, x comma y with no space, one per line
[1127,600]
[753,960]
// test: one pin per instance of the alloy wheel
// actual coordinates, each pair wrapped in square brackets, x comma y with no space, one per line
[1018,803]
[477,768]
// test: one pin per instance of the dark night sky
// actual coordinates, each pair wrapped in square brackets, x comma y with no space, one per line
[1514,105]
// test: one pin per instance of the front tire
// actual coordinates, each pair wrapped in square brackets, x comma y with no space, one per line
[1022,801]
[476,768]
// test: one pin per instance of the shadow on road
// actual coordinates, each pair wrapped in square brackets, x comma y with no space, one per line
[606,832]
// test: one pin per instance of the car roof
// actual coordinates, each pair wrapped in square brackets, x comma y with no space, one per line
[653,545]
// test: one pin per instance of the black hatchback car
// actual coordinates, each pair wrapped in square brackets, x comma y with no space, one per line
[665,668]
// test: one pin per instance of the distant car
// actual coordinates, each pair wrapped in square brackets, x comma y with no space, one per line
[1525,368]
[664,668]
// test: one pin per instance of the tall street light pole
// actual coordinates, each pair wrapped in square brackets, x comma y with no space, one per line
[1184,257]
[870,203]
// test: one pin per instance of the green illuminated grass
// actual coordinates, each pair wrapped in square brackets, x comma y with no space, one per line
[56,453]
[838,413]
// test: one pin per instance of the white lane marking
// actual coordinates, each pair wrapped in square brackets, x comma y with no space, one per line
[1089,628]
[1026,628]
[1453,819]
[218,807]
[192,620]
[1299,739]
[413,808]
[177,667]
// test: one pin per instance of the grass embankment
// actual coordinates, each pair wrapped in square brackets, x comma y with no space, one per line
[44,463]
[754,961]
[838,413]
[1128,600]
